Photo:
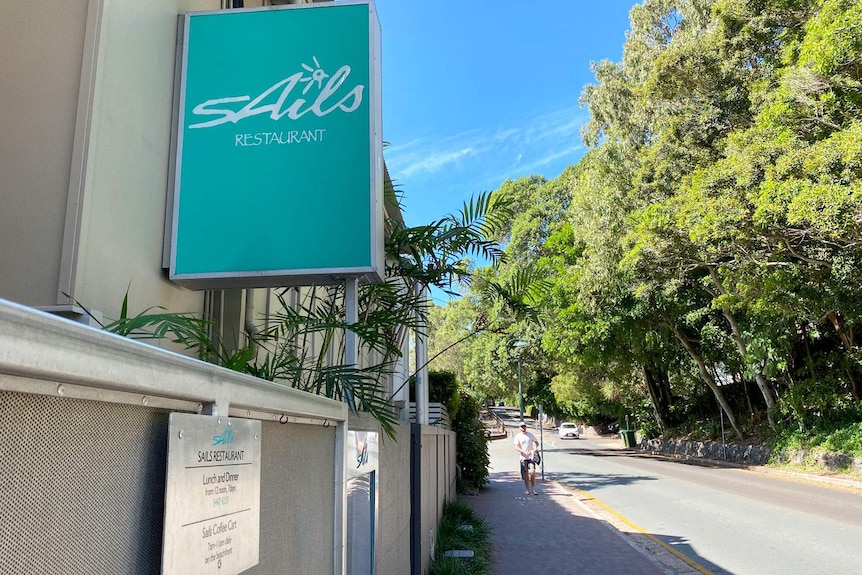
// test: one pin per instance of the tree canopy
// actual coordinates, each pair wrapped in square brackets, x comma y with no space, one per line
[705,253]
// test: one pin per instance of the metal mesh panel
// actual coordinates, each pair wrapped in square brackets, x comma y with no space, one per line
[81,486]
[296,505]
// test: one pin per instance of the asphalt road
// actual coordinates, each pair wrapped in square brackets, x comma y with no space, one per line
[724,520]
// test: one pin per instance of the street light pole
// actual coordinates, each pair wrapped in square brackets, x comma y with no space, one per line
[520,343]
[542,439]
[520,391]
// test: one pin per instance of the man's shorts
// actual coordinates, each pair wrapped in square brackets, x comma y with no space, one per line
[525,466]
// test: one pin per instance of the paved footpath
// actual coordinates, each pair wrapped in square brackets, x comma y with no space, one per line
[551,533]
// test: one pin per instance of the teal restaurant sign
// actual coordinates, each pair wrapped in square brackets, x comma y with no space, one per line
[279,162]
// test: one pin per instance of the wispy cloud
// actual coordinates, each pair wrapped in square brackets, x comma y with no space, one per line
[442,167]
[435,160]
[537,142]
[429,155]
[543,161]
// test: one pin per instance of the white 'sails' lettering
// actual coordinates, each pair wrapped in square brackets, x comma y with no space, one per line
[326,102]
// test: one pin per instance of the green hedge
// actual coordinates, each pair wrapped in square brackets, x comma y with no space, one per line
[471,446]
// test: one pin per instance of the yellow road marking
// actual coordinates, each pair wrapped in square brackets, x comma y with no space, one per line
[688,561]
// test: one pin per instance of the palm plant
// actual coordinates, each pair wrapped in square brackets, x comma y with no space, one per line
[303,344]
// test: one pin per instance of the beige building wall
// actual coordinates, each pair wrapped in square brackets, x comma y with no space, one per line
[125,169]
[41,56]
[85,136]
[85,133]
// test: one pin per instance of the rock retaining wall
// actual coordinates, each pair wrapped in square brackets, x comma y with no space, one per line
[830,461]
[751,454]
[746,454]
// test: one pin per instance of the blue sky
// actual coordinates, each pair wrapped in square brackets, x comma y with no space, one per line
[479,91]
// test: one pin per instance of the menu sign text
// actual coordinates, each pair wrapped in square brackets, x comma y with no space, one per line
[212,496]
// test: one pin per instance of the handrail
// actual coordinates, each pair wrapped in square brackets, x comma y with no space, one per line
[500,426]
[499,420]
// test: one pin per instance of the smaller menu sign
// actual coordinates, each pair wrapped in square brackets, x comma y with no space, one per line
[212,496]
[363,453]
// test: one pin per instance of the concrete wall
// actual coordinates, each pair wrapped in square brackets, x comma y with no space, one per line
[393,534]
[437,484]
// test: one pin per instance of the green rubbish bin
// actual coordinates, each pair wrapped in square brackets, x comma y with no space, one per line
[628,436]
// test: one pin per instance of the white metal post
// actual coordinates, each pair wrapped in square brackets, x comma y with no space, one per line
[351,357]
[421,368]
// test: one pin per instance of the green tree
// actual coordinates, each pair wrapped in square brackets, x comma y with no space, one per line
[709,239]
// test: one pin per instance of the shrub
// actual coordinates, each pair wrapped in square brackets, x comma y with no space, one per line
[443,388]
[471,445]
[449,537]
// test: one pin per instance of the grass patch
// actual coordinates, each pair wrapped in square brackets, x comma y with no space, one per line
[846,440]
[826,444]
[450,537]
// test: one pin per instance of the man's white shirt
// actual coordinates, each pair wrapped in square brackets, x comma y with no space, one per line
[525,441]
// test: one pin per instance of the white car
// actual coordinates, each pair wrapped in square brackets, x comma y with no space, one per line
[569,431]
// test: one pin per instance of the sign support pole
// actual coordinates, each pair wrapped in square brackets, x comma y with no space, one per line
[351,358]
[351,316]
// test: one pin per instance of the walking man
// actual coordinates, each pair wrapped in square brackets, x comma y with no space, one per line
[526,444]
